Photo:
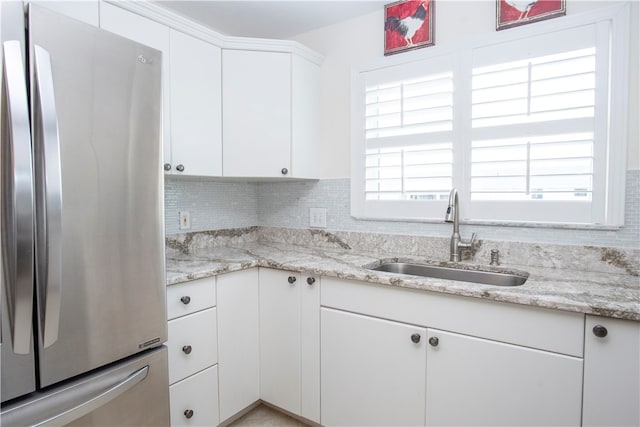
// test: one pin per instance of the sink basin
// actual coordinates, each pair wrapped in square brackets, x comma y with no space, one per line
[438,272]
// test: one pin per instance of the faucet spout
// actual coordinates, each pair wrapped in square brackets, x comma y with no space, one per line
[453,216]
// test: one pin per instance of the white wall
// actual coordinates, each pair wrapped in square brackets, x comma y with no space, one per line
[359,42]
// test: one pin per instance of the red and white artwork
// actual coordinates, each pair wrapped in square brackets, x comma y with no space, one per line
[512,13]
[408,25]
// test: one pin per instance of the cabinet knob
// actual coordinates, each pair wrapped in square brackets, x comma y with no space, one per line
[188,413]
[185,299]
[600,331]
[180,168]
[284,171]
[415,338]
[167,166]
[291,279]
[187,349]
[311,280]
[434,341]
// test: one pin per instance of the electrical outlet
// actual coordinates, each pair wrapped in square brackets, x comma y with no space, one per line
[318,217]
[185,220]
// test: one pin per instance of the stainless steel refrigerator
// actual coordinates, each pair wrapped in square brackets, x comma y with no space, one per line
[83,293]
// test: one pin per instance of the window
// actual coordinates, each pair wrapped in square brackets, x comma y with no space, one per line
[525,128]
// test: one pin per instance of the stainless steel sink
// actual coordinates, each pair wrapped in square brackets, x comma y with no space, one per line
[439,272]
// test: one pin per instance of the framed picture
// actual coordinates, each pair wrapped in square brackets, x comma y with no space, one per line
[408,25]
[512,13]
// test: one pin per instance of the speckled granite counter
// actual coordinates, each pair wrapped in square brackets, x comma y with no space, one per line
[613,292]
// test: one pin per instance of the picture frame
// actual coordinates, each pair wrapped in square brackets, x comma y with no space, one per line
[513,13]
[408,25]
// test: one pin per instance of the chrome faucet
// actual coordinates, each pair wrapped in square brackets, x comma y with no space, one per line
[457,243]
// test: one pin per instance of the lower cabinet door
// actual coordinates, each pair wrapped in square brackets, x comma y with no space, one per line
[373,371]
[194,400]
[473,381]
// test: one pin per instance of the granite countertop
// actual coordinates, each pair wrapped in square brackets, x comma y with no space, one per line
[605,294]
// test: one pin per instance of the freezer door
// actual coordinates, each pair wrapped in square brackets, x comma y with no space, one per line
[96,109]
[134,392]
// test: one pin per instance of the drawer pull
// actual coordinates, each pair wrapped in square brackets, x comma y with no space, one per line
[187,349]
[185,300]
[291,279]
[311,280]
[188,413]
[434,341]
[600,331]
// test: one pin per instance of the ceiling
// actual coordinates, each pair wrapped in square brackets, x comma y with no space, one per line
[270,19]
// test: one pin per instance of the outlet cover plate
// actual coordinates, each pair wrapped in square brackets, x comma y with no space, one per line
[185,220]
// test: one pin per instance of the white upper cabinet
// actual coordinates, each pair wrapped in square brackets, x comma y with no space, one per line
[152,34]
[256,100]
[270,112]
[196,137]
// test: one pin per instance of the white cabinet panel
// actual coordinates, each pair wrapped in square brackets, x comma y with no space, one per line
[471,381]
[189,297]
[256,124]
[305,118]
[192,344]
[373,374]
[545,329]
[194,400]
[310,347]
[86,11]
[611,373]
[280,339]
[196,109]
[238,341]
[150,33]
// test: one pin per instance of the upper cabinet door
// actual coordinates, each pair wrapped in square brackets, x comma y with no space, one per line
[86,11]
[196,110]
[150,33]
[256,99]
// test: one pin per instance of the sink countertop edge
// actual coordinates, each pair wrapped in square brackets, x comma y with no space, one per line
[608,295]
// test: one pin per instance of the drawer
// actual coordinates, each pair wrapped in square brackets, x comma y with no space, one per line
[546,329]
[189,297]
[195,397]
[193,344]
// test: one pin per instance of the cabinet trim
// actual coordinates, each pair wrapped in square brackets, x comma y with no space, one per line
[180,23]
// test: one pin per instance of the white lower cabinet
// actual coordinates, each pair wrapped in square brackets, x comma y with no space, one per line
[194,400]
[611,372]
[373,373]
[193,353]
[238,342]
[473,381]
[289,342]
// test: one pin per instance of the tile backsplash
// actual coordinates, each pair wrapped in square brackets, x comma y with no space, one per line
[215,205]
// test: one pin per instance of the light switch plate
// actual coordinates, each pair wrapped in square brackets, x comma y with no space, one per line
[185,220]
[318,217]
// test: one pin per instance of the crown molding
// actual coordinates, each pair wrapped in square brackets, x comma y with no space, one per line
[179,23]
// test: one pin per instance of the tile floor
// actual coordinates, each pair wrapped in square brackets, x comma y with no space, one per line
[265,416]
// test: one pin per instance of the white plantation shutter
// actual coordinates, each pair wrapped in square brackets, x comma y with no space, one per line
[407,137]
[533,119]
[529,128]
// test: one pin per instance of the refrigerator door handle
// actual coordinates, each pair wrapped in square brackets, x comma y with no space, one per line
[17,199]
[33,414]
[48,198]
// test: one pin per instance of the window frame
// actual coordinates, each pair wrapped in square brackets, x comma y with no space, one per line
[608,193]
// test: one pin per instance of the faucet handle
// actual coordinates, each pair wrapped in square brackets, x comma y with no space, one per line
[473,239]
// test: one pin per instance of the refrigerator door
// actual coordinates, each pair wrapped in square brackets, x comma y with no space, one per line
[16,235]
[96,108]
[131,393]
